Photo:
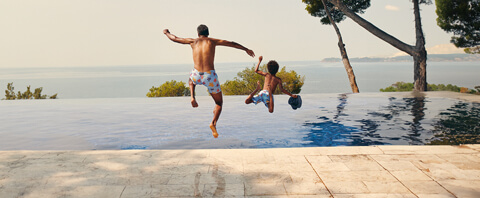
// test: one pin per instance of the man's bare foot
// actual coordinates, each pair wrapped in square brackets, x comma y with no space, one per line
[194,103]
[214,131]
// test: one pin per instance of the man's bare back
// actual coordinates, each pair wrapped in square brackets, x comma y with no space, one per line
[203,49]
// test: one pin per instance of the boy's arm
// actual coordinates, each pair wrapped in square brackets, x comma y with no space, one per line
[177,39]
[234,45]
[285,91]
[260,58]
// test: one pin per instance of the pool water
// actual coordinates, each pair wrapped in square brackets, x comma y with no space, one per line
[171,123]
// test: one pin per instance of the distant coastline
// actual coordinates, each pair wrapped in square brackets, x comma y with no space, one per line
[431,57]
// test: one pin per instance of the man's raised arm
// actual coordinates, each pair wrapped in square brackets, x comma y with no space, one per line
[235,45]
[177,39]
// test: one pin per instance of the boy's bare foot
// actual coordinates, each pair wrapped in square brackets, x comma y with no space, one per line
[194,103]
[214,131]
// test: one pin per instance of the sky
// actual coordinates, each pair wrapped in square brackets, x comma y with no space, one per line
[81,33]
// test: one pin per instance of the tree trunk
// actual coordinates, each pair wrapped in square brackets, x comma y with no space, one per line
[343,52]
[418,51]
[420,57]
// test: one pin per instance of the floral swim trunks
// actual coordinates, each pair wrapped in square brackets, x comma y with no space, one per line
[262,96]
[209,79]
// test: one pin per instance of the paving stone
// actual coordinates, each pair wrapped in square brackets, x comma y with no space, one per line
[462,188]
[375,195]
[398,165]
[410,175]
[267,177]
[333,166]
[318,159]
[262,189]
[304,177]
[425,149]
[224,190]
[436,196]
[426,187]
[346,187]
[386,187]
[356,176]
[306,189]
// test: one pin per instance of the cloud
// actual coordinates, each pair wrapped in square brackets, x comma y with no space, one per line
[392,8]
[448,48]
[437,49]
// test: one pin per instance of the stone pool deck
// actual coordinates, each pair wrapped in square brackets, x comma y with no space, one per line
[373,171]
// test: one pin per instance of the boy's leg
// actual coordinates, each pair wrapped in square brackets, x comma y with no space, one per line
[270,104]
[249,98]
[218,98]
[192,93]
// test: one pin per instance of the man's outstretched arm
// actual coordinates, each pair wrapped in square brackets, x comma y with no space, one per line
[177,39]
[235,45]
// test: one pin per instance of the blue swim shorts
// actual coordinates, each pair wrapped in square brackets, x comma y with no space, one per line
[209,79]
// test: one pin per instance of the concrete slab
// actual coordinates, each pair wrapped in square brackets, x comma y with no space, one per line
[383,171]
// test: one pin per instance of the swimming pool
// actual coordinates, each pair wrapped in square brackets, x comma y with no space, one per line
[171,123]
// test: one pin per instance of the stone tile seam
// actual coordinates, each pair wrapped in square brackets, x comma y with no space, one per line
[331,195]
[394,176]
[436,180]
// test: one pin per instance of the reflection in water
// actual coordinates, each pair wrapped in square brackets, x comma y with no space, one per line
[402,121]
[460,124]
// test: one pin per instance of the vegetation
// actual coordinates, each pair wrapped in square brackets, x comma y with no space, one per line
[328,15]
[168,89]
[246,81]
[463,19]
[402,86]
[417,51]
[37,94]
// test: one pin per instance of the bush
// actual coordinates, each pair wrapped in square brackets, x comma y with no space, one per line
[168,89]
[246,81]
[402,86]
[398,86]
[10,93]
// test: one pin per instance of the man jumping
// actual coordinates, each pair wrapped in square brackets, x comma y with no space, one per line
[203,49]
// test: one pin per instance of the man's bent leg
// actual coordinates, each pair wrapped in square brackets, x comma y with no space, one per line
[192,93]
[218,98]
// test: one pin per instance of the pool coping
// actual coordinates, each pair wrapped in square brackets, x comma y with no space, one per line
[373,171]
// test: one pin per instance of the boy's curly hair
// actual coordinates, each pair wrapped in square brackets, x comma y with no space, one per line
[272,67]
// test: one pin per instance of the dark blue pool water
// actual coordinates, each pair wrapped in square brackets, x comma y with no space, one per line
[171,123]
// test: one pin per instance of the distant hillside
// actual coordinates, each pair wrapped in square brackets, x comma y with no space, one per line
[431,57]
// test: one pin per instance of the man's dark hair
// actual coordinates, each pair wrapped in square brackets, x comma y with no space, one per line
[272,67]
[202,30]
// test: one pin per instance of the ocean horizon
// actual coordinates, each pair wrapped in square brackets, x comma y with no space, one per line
[136,80]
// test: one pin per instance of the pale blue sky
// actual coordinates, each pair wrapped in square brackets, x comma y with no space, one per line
[59,33]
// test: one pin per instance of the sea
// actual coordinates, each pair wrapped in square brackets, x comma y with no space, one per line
[134,81]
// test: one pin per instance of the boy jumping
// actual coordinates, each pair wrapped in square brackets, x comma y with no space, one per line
[271,82]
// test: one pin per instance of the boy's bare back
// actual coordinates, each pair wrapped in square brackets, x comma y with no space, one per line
[271,83]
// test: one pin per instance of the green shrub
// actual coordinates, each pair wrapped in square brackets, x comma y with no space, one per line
[398,86]
[246,81]
[168,89]
[402,86]
[37,94]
